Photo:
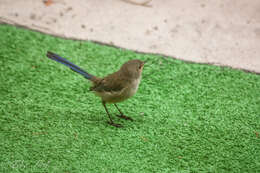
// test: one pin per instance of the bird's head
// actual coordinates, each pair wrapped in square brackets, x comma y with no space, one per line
[133,68]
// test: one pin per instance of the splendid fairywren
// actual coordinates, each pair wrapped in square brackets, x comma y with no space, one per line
[113,88]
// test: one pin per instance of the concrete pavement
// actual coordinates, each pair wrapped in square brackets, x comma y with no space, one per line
[215,32]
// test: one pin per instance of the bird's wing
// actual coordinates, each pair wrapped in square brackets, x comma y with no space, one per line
[111,83]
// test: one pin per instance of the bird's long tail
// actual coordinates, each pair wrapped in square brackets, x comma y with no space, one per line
[72,66]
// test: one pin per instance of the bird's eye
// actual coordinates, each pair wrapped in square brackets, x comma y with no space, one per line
[140,66]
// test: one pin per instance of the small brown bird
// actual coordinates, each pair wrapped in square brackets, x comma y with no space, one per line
[113,88]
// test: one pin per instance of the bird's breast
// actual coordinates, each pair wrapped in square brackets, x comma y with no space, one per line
[133,87]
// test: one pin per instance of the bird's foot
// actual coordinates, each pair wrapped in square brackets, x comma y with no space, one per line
[114,124]
[125,117]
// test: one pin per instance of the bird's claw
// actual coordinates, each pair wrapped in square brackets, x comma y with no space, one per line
[114,124]
[125,117]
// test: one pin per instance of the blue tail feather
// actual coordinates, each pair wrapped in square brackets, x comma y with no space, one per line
[72,66]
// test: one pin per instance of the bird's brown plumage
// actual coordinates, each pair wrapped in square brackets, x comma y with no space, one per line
[119,85]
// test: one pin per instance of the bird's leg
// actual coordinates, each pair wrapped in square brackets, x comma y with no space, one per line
[122,115]
[111,121]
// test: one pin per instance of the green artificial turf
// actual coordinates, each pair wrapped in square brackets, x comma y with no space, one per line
[188,117]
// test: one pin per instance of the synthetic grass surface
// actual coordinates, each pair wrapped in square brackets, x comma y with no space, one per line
[188,117]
